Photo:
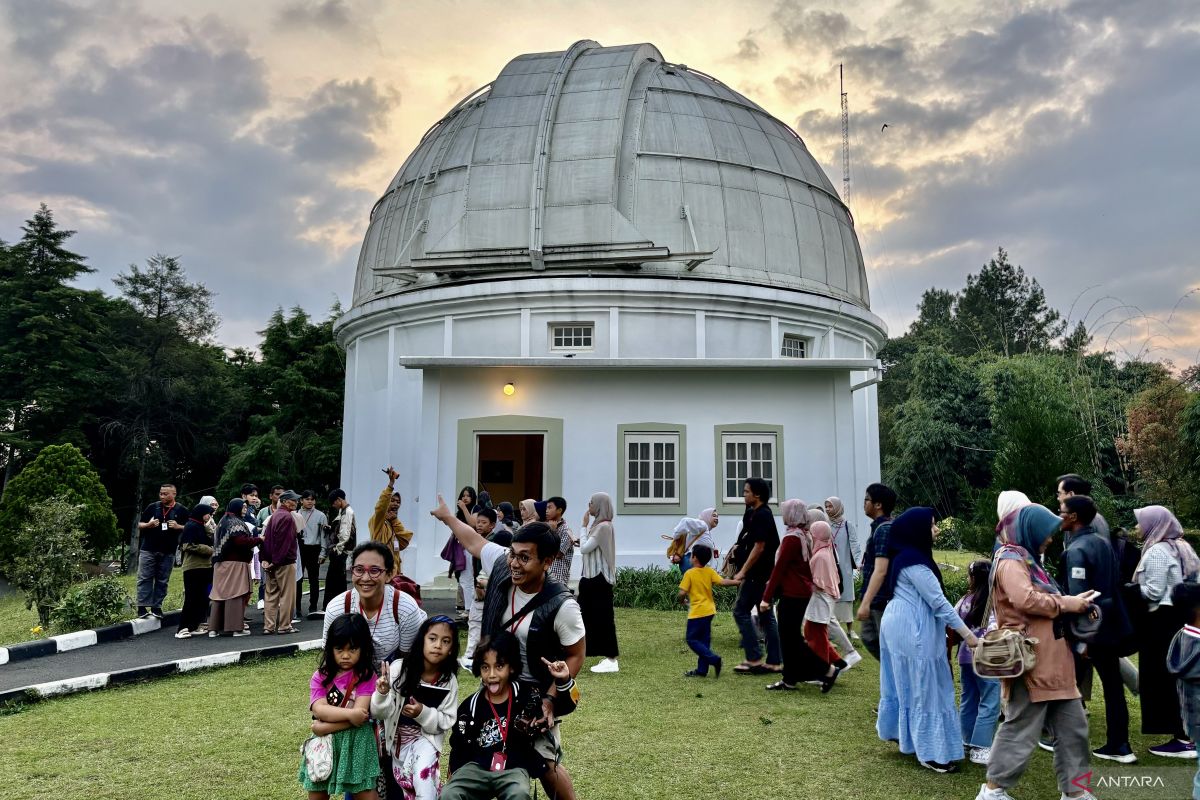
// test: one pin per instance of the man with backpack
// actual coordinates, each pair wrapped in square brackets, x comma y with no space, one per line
[522,598]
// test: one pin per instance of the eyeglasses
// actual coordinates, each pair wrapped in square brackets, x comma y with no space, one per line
[359,571]
[521,558]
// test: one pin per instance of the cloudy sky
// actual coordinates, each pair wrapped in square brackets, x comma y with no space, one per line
[251,139]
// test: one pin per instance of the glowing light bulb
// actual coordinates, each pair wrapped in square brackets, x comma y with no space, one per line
[510,389]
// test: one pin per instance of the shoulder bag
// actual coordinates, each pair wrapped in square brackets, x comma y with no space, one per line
[318,751]
[1003,652]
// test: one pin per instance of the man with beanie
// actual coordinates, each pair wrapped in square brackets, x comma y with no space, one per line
[279,566]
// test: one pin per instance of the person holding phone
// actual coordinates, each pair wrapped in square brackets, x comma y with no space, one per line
[159,530]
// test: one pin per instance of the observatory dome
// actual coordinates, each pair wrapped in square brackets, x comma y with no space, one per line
[610,161]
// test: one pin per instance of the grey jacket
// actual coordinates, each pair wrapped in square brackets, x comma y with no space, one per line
[1183,661]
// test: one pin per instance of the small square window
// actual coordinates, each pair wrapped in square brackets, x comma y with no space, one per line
[794,346]
[651,465]
[571,336]
[747,455]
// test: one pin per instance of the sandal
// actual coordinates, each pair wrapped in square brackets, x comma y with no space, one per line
[780,686]
[286,631]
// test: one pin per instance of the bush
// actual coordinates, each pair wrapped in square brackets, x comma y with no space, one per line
[48,553]
[656,589]
[60,471]
[91,604]
[955,581]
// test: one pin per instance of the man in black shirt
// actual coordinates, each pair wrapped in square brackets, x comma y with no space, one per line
[754,554]
[878,504]
[159,530]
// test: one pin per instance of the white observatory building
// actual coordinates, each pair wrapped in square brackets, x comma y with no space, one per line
[607,272]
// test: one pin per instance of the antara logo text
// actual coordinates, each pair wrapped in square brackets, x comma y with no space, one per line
[1119,782]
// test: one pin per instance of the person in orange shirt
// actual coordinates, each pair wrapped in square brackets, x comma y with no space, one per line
[384,524]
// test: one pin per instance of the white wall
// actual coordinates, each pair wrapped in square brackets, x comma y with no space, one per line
[823,447]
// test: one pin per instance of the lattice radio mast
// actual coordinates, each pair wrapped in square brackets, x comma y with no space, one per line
[845,139]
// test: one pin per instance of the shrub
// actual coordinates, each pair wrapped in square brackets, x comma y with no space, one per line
[656,589]
[48,553]
[91,604]
[59,471]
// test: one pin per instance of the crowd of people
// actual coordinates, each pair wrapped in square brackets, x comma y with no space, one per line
[386,694]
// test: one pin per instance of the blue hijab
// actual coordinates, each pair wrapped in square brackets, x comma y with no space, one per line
[910,543]
[1023,540]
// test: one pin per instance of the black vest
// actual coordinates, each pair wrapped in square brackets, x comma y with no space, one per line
[543,641]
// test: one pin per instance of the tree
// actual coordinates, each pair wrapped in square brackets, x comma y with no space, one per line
[50,335]
[1003,311]
[1158,448]
[59,471]
[296,438]
[49,554]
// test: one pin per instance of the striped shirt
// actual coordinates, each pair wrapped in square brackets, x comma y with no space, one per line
[387,632]
[599,553]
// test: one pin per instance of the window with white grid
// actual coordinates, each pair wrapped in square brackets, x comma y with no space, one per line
[571,336]
[794,346]
[651,467]
[747,455]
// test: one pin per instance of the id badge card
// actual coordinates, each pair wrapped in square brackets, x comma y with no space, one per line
[164,525]
[498,760]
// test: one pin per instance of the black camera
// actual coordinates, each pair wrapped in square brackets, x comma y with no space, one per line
[530,719]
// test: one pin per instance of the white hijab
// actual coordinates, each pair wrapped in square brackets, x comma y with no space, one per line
[1010,501]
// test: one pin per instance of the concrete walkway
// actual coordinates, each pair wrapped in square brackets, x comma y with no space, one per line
[160,647]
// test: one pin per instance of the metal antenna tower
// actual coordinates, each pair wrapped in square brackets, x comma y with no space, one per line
[845,139]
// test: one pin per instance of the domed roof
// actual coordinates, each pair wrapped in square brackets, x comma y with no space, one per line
[610,159]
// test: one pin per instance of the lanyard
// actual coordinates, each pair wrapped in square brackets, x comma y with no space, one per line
[516,623]
[378,614]
[502,725]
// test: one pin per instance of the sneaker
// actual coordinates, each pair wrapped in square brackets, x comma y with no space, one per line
[691,673]
[938,766]
[717,669]
[241,633]
[851,659]
[854,635]
[1046,744]
[143,612]
[992,794]
[203,628]
[156,612]
[1176,748]
[607,665]
[1122,753]
[980,755]
[183,634]
[1085,796]
[213,634]
[262,604]
[828,681]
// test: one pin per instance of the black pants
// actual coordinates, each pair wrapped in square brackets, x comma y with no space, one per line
[1116,713]
[800,663]
[310,562]
[596,607]
[1157,687]
[335,575]
[196,583]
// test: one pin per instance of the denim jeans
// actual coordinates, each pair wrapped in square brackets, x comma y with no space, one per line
[699,638]
[154,570]
[749,596]
[979,708]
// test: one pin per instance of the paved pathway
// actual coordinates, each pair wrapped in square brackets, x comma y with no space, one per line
[158,647]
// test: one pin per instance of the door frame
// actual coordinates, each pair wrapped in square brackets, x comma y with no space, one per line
[551,429]
[475,471]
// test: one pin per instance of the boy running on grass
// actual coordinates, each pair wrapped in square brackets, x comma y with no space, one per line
[696,592]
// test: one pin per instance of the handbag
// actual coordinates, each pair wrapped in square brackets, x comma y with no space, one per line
[318,752]
[1003,652]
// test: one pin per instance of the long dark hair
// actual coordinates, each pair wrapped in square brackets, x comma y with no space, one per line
[348,630]
[471,504]
[414,661]
[980,573]
[507,648]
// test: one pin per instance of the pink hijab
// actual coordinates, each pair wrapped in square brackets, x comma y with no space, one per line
[823,566]
[795,516]
[1158,524]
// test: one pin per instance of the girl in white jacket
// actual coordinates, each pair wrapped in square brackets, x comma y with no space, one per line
[417,700]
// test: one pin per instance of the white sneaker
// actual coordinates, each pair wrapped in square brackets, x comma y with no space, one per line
[980,755]
[262,604]
[854,635]
[851,659]
[992,794]
[241,633]
[183,634]
[465,663]
[213,634]
[1085,796]
[607,665]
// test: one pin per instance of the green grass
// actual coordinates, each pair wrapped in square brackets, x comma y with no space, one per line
[646,732]
[17,622]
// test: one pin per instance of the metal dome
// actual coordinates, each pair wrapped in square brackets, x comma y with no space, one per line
[610,160]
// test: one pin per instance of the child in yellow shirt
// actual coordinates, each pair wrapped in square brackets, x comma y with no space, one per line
[696,592]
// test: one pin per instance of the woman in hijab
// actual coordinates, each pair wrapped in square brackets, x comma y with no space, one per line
[833,628]
[819,614]
[1010,502]
[916,703]
[598,547]
[849,556]
[1167,560]
[791,587]
[689,532]
[196,543]
[508,516]
[1026,598]
[233,547]
[528,509]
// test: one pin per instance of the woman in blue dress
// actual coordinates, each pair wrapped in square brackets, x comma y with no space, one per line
[916,702]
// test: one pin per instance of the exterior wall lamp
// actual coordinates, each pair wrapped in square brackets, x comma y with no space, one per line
[510,389]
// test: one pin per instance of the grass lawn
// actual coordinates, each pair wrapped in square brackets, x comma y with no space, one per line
[646,732]
[17,622]
[957,558]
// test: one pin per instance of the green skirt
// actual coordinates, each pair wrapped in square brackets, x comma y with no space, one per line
[355,764]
